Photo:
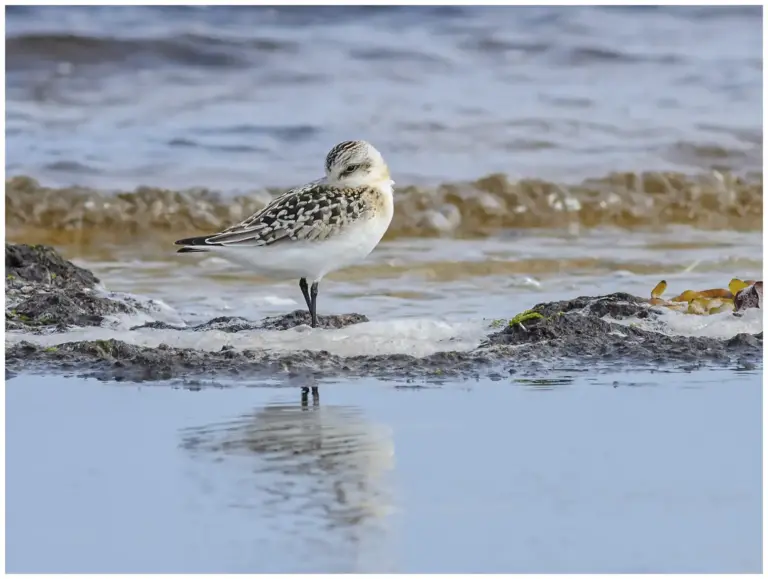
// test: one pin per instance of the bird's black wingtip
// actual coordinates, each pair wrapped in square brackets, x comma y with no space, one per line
[191,250]
[194,244]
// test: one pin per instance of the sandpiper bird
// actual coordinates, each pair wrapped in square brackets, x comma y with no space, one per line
[314,229]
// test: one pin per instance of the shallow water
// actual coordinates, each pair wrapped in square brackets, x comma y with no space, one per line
[575,472]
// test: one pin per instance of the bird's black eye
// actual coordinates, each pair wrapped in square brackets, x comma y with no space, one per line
[351,169]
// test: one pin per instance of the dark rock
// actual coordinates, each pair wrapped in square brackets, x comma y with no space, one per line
[578,320]
[60,310]
[576,329]
[45,292]
[283,322]
[42,264]
[226,324]
[158,326]
[745,341]
[221,324]
[749,297]
[618,305]
[114,359]
[302,317]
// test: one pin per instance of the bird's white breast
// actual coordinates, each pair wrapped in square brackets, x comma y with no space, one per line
[361,238]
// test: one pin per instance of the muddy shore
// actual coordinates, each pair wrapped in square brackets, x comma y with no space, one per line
[47,294]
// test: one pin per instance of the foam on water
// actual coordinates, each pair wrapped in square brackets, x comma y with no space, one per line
[724,325]
[417,337]
[150,310]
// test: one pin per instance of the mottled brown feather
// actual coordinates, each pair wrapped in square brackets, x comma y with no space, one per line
[314,212]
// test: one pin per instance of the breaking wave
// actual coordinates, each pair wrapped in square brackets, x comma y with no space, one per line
[467,209]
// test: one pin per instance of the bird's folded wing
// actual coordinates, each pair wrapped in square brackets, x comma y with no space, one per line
[316,211]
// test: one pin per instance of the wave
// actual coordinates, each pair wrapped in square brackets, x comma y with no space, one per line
[478,208]
[25,50]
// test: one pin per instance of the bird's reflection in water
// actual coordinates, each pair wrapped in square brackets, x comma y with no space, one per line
[305,397]
[310,469]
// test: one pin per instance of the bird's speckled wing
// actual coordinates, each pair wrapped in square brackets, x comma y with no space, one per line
[313,212]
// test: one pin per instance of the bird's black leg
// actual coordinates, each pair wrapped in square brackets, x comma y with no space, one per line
[305,293]
[313,307]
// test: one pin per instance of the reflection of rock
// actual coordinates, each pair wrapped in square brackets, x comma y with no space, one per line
[314,466]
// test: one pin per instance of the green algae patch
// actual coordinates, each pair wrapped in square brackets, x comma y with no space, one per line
[525,316]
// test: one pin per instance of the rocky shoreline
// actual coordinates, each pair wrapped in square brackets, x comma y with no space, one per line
[47,294]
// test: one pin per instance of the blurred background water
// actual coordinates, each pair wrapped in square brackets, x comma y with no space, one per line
[242,97]
[539,153]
